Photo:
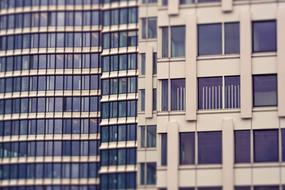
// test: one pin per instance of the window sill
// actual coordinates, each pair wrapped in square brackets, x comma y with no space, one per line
[264,54]
[147,149]
[142,40]
[211,57]
[199,5]
[218,111]
[172,59]
[200,166]
[173,113]
[261,109]
[258,165]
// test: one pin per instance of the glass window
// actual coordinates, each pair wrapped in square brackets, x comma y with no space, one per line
[178,41]
[148,173]
[264,36]
[187,148]
[268,187]
[143,63]
[149,26]
[210,147]
[265,142]
[210,93]
[142,98]
[163,154]
[154,94]
[232,92]
[177,94]
[265,90]
[232,38]
[165,41]
[209,39]
[242,146]
[164,95]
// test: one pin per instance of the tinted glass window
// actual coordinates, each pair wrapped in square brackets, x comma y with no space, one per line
[242,146]
[264,36]
[187,148]
[210,39]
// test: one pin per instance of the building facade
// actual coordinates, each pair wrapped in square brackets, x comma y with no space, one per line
[212,105]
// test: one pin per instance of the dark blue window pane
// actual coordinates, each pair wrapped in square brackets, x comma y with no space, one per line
[187,148]
[210,147]
[163,149]
[265,90]
[264,36]
[266,187]
[232,92]
[210,93]
[242,146]
[210,39]
[265,145]
[177,94]
[232,38]
[242,188]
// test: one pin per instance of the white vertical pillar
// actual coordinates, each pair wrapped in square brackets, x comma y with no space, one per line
[228,154]
[245,64]
[281,59]
[173,7]
[191,67]
[227,5]
[172,155]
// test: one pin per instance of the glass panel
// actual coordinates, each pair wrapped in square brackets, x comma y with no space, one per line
[187,148]
[210,39]
[242,146]
[177,94]
[232,38]
[264,36]
[178,41]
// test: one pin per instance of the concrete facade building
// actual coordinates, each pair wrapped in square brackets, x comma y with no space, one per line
[218,87]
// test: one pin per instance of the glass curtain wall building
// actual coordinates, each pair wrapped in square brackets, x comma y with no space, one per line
[119,94]
[50,94]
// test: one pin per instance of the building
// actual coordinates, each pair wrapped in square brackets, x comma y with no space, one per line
[212,105]
[50,92]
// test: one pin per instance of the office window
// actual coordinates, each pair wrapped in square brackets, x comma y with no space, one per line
[210,93]
[142,97]
[210,39]
[154,99]
[183,2]
[164,95]
[165,41]
[283,144]
[266,187]
[178,41]
[242,146]
[163,151]
[143,63]
[264,90]
[209,188]
[148,136]
[213,41]
[154,63]
[232,92]
[187,148]
[148,173]
[177,94]
[264,36]
[242,188]
[149,27]
[265,145]
[210,147]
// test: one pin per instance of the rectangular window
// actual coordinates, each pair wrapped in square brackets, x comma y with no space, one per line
[265,145]
[210,147]
[154,63]
[219,92]
[154,99]
[178,41]
[242,146]
[142,97]
[148,136]
[148,173]
[164,95]
[163,151]
[268,187]
[177,94]
[143,63]
[187,148]
[264,36]
[165,41]
[149,27]
[218,39]
[210,93]
[265,90]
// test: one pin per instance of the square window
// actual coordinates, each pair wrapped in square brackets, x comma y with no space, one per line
[264,36]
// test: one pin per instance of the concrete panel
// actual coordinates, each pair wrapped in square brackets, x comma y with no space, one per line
[172,155]
[242,176]
[213,176]
[245,64]
[281,59]
[227,5]
[228,153]
[187,178]
[265,120]
[268,175]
